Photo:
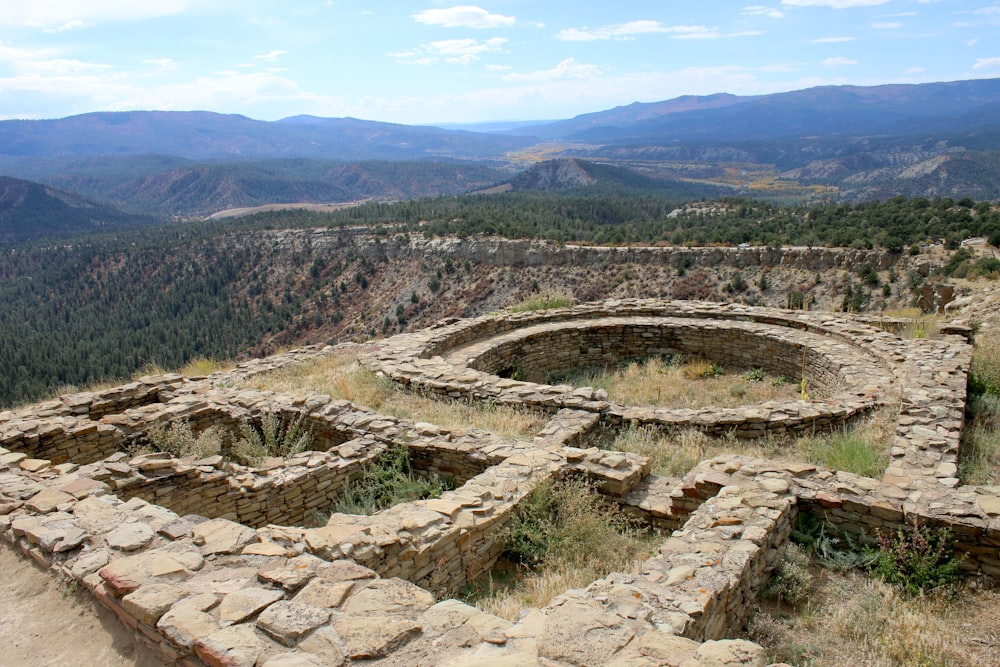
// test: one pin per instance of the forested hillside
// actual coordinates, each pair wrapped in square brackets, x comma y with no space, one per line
[30,211]
[168,186]
[103,307]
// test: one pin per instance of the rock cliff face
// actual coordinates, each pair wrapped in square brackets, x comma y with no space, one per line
[501,252]
[412,281]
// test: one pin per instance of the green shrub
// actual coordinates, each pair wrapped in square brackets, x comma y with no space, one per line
[832,548]
[714,370]
[568,521]
[791,582]
[273,437]
[984,373]
[388,481]
[848,451]
[755,375]
[178,439]
[916,558]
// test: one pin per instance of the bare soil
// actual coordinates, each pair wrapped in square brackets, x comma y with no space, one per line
[44,622]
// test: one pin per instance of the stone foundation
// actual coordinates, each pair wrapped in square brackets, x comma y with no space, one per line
[216,564]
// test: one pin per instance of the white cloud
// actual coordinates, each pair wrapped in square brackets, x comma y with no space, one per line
[913,70]
[161,63]
[887,25]
[987,63]
[72,25]
[835,4]
[567,69]
[838,62]
[14,55]
[632,28]
[615,31]
[694,32]
[464,16]
[759,10]
[456,51]
[972,42]
[271,56]
[54,13]
[994,9]
[833,40]
[62,66]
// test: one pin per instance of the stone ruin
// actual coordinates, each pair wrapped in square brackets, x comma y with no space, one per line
[212,563]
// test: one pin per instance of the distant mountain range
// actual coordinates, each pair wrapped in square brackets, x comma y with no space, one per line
[841,142]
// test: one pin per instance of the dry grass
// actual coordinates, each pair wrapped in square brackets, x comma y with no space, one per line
[919,325]
[853,619]
[564,535]
[203,366]
[861,448]
[687,383]
[341,377]
[674,453]
[536,589]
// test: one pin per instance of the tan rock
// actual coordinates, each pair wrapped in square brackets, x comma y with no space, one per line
[989,504]
[325,594]
[369,637]
[130,536]
[34,465]
[49,500]
[292,573]
[727,653]
[148,603]
[344,570]
[581,632]
[236,646]
[669,650]
[241,605]
[221,536]
[183,624]
[264,549]
[325,643]
[288,621]
[388,596]
[295,660]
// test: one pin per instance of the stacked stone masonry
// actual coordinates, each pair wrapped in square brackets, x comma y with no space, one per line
[217,564]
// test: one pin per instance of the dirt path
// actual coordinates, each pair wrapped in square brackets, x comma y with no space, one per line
[43,623]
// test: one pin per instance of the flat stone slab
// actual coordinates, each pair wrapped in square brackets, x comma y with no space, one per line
[130,536]
[220,536]
[288,621]
[241,605]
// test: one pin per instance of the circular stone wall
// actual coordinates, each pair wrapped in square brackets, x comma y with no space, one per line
[849,368]
[534,353]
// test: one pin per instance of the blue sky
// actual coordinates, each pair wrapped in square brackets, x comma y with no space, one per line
[428,61]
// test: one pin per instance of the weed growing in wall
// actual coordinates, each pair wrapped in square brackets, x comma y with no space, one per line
[272,437]
[388,481]
[916,558]
[178,439]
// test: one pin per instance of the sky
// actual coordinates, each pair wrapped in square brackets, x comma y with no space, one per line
[433,62]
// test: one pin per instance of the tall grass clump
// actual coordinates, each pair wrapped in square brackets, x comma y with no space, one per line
[563,535]
[272,437]
[678,381]
[544,301]
[673,452]
[847,450]
[388,481]
[979,453]
[984,373]
[178,439]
